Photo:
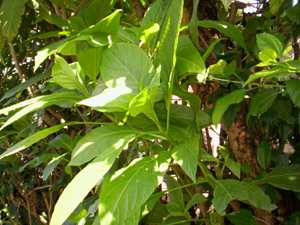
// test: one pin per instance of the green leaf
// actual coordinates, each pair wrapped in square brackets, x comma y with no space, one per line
[269,41]
[227,29]
[276,71]
[264,154]
[267,56]
[262,101]
[186,154]
[189,60]
[234,166]
[228,190]
[275,6]
[31,105]
[89,60]
[223,104]
[123,195]
[29,141]
[10,17]
[86,179]
[102,140]
[293,89]
[287,178]
[242,217]
[52,165]
[67,75]
[125,78]
[168,40]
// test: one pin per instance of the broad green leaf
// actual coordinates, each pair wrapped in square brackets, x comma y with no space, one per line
[293,89]
[234,166]
[189,60]
[217,68]
[125,78]
[29,141]
[10,17]
[67,75]
[262,101]
[102,140]
[60,98]
[82,184]
[175,203]
[269,41]
[89,60]
[223,103]
[287,178]
[264,154]
[134,73]
[52,165]
[197,198]
[228,190]
[227,29]
[127,190]
[186,154]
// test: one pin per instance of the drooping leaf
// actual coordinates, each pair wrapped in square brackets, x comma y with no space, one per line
[223,103]
[269,41]
[234,166]
[86,179]
[189,60]
[287,178]
[115,208]
[60,98]
[102,140]
[293,89]
[227,29]
[186,154]
[264,154]
[10,17]
[228,190]
[262,101]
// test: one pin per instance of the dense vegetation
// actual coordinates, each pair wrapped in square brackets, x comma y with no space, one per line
[127,112]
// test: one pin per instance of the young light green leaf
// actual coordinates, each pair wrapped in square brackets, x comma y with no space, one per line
[223,103]
[228,190]
[189,60]
[268,56]
[264,154]
[86,179]
[265,40]
[227,29]
[186,154]
[293,89]
[115,207]
[286,178]
[102,140]
[60,98]
[10,17]
[262,101]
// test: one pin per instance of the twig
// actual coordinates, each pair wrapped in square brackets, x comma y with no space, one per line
[22,76]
